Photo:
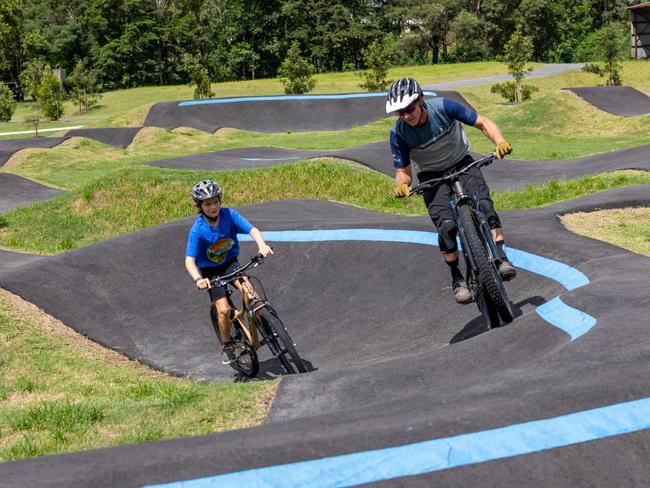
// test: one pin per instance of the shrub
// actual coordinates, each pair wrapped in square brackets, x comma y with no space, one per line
[50,99]
[7,103]
[30,77]
[612,48]
[518,52]
[84,87]
[199,77]
[513,92]
[378,59]
[295,72]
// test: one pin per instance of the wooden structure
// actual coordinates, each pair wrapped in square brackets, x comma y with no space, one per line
[640,23]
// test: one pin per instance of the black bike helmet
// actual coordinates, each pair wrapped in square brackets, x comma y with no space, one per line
[402,93]
[205,189]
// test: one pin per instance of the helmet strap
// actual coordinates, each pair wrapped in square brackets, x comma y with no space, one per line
[423,110]
[210,219]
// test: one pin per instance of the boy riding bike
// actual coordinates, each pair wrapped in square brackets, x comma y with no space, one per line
[212,250]
[430,135]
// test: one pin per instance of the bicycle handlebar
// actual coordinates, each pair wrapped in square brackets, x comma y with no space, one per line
[230,277]
[422,187]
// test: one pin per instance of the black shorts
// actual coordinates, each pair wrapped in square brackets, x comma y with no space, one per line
[218,292]
[437,200]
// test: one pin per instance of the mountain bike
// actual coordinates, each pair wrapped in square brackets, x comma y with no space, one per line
[482,256]
[254,324]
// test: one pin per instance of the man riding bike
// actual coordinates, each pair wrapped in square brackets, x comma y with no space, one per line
[430,135]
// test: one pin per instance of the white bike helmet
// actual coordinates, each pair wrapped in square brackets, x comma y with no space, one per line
[205,189]
[402,93]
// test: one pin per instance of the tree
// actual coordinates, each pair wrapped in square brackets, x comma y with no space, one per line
[612,48]
[519,50]
[84,87]
[468,36]
[50,99]
[296,73]
[199,77]
[30,77]
[12,25]
[332,33]
[243,61]
[428,19]
[7,103]
[378,59]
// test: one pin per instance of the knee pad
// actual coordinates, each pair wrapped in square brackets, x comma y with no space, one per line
[487,207]
[447,236]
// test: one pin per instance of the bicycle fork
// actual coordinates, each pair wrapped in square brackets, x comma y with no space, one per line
[494,253]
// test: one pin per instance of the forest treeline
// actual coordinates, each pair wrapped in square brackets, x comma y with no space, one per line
[128,43]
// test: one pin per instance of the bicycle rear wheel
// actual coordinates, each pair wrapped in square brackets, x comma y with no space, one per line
[247,362]
[287,353]
[494,297]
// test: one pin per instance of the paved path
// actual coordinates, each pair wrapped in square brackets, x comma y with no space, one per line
[545,70]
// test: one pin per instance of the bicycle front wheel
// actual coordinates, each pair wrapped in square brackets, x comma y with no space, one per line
[495,299]
[287,353]
[246,361]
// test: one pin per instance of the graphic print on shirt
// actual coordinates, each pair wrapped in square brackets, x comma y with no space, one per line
[218,251]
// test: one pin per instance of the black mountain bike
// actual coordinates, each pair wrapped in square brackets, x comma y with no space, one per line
[254,324]
[482,256]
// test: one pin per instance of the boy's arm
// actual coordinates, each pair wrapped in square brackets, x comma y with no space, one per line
[263,248]
[193,270]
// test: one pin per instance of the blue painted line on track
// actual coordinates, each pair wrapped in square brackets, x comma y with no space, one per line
[343,96]
[267,159]
[574,322]
[440,454]
[567,276]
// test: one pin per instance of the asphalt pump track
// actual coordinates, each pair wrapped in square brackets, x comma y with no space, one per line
[406,386]
[505,175]
[114,136]
[617,100]
[395,361]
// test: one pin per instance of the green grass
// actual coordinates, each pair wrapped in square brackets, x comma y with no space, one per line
[80,161]
[141,197]
[561,190]
[557,124]
[628,228]
[60,394]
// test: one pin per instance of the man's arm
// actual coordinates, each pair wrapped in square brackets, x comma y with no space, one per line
[493,133]
[489,128]
[403,176]
[402,164]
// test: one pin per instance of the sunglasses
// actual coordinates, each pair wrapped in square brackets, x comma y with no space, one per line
[407,110]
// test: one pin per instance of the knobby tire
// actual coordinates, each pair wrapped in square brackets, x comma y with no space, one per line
[273,324]
[490,284]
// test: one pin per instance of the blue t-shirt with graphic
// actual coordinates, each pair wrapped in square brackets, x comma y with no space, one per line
[214,246]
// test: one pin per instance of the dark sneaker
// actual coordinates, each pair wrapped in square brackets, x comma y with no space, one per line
[228,353]
[462,293]
[507,270]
